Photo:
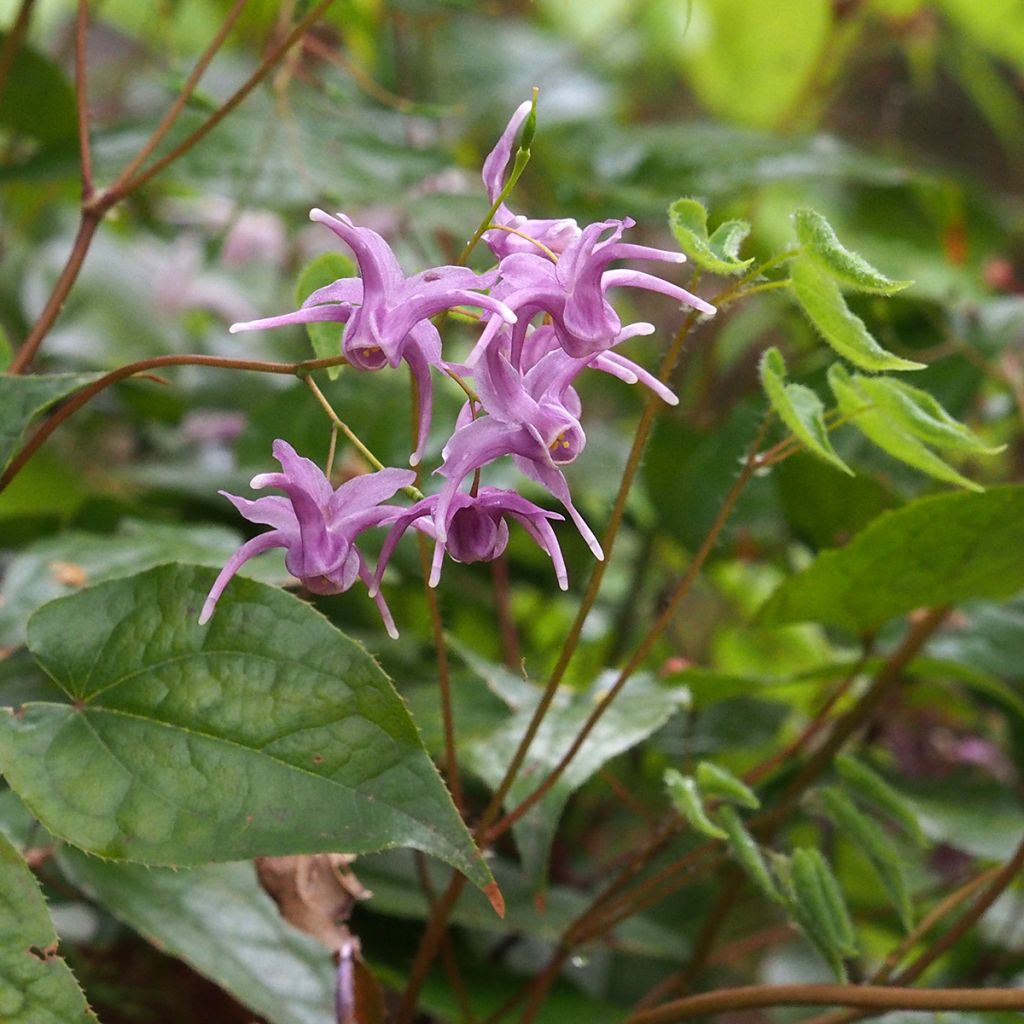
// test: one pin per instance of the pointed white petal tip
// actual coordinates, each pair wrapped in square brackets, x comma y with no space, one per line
[671,399]
[414,459]
[316,214]
[563,583]
[435,578]
[678,257]
[235,328]
[392,630]
[205,615]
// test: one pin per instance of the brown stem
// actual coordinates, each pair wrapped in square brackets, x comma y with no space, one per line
[444,679]
[14,40]
[80,398]
[503,607]
[878,997]
[82,99]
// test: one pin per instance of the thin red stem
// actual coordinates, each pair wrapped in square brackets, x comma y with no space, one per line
[82,98]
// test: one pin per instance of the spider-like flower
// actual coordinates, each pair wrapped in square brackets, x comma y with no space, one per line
[315,524]
[474,530]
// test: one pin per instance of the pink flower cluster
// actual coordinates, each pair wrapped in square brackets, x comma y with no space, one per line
[545,317]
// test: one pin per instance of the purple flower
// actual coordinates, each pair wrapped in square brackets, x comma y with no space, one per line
[474,529]
[553,235]
[533,416]
[315,524]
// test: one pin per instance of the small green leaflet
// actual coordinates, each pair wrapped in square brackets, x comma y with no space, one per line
[748,853]
[820,298]
[799,408]
[36,985]
[904,421]
[719,253]
[266,731]
[935,551]
[818,240]
[869,787]
[22,398]
[865,835]
[685,796]
[321,271]
[717,782]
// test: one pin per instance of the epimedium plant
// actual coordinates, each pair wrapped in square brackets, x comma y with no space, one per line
[193,720]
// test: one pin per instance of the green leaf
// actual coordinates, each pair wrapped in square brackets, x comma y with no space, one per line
[321,271]
[819,241]
[36,985]
[218,920]
[899,423]
[56,566]
[23,398]
[935,551]
[643,707]
[799,408]
[865,836]
[719,253]
[6,353]
[714,780]
[748,853]
[817,906]
[265,732]
[686,798]
[869,787]
[37,100]
[820,298]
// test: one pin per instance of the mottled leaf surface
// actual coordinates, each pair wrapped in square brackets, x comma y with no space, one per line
[938,550]
[265,732]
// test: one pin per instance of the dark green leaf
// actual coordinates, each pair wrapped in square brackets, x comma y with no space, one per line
[715,781]
[799,408]
[869,787]
[321,271]
[819,241]
[718,253]
[23,398]
[686,799]
[820,298]
[219,920]
[36,985]
[938,550]
[864,835]
[37,100]
[748,853]
[265,732]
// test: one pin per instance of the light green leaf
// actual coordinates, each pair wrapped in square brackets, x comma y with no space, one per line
[935,551]
[799,408]
[321,271]
[24,397]
[864,835]
[869,787]
[715,781]
[719,253]
[820,298]
[686,799]
[36,985]
[644,706]
[265,732]
[6,353]
[895,422]
[218,920]
[819,241]
[748,853]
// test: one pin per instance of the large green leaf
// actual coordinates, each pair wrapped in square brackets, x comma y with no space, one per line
[37,100]
[820,298]
[219,920]
[22,398]
[265,732]
[936,551]
[36,985]
[642,707]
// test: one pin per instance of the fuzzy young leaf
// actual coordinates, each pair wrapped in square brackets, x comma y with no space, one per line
[869,787]
[799,408]
[937,550]
[819,241]
[820,298]
[36,985]
[321,271]
[717,253]
[748,853]
[864,834]
[886,417]
[716,781]
[266,732]
[819,908]
[685,796]
[23,398]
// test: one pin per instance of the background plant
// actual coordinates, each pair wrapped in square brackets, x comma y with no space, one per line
[774,737]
